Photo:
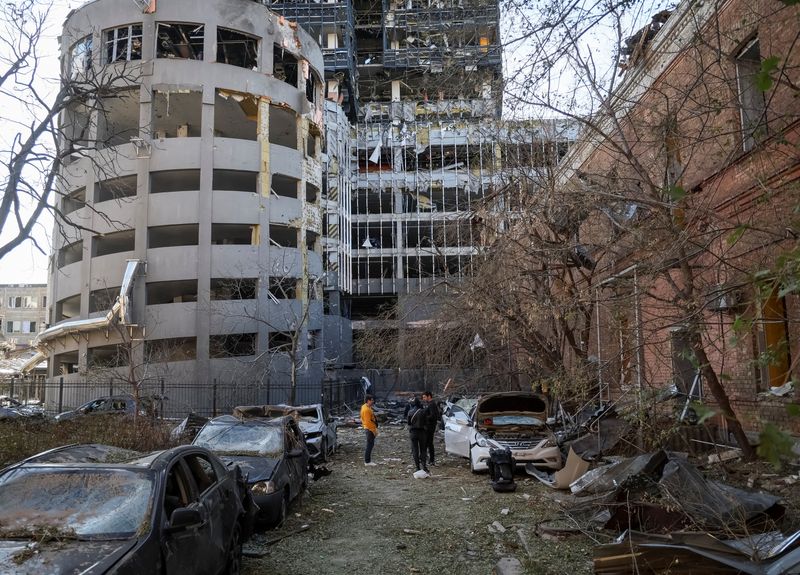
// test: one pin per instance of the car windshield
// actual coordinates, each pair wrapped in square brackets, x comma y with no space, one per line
[242,439]
[309,415]
[77,502]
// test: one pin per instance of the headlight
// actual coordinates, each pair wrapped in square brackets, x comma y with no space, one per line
[263,487]
[481,441]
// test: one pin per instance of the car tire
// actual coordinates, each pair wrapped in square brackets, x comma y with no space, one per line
[234,562]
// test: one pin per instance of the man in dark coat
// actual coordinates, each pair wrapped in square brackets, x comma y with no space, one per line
[433,416]
[417,420]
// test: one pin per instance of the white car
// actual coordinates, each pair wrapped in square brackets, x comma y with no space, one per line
[516,420]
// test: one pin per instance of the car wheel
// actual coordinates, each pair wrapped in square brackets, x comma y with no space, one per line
[234,564]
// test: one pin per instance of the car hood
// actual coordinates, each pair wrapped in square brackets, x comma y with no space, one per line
[80,557]
[253,468]
[310,427]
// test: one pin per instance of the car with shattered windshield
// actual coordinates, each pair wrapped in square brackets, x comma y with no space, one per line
[513,420]
[271,454]
[315,421]
[95,509]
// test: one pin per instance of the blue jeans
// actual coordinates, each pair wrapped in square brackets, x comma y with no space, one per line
[370,445]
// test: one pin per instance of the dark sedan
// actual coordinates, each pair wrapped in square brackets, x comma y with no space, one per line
[94,509]
[270,452]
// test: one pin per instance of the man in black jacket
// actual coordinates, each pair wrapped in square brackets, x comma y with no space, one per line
[417,420]
[431,423]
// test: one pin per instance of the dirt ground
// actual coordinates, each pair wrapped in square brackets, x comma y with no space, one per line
[372,520]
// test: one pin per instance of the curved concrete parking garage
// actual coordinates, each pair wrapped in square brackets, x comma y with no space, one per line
[204,167]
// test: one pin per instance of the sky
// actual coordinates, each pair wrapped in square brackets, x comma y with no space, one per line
[27,264]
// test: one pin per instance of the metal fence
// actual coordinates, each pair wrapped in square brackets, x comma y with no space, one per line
[171,399]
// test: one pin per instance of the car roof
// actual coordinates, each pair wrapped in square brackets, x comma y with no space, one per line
[233,420]
[98,455]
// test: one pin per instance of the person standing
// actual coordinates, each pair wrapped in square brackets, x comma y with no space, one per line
[431,423]
[370,428]
[416,431]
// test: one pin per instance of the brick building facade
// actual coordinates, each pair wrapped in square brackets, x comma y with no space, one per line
[695,181]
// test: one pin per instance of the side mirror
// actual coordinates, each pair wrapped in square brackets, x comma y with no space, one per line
[296,452]
[184,518]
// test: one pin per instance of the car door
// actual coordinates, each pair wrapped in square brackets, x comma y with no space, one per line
[330,427]
[296,464]
[217,507]
[457,430]
[189,550]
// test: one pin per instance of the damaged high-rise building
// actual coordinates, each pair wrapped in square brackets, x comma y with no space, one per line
[253,184]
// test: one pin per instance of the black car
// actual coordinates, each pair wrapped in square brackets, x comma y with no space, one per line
[94,509]
[270,452]
[124,404]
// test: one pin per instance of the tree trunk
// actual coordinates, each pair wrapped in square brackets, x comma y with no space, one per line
[721,397]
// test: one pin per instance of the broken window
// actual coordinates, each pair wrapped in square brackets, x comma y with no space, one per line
[285,186]
[280,341]
[107,356]
[80,57]
[751,98]
[232,345]
[223,289]
[771,342]
[65,363]
[233,234]
[123,43]
[283,236]
[21,327]
[235,115]
[283,288]
[235,181]
[171,236]
[284,66]
[68,308]
[237,49]
[118,118]
[102,299]
[179,40]
[115,189]
[282,127]
[180,291]
[75,200]
[170,349]
[177,114]
[312,87]
[70,254]
[113,243]
[312,193]
[174,181]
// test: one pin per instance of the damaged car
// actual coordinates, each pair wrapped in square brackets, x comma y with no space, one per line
[270,452]
[514,420]
[124,404]
[96,509]
[315,421]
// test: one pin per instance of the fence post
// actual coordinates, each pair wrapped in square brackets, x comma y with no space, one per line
[111,387]
[161,400]
[60,394]
[11,388]
[214,398]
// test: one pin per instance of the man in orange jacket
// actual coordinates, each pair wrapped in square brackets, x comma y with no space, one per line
[370,427]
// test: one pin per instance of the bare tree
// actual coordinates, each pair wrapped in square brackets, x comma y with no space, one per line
[36,151]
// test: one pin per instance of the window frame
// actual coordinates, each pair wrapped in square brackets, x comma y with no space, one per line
[112,43]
